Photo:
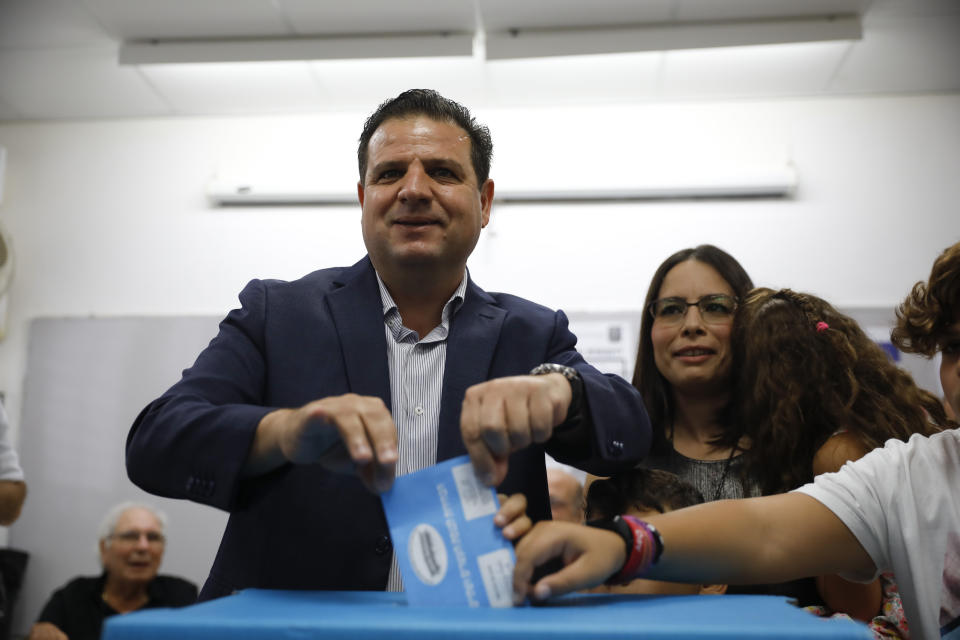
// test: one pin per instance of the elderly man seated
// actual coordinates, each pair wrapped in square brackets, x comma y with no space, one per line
[131,549]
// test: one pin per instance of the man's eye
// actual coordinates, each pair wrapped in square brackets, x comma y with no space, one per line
[389,174]
[442,173]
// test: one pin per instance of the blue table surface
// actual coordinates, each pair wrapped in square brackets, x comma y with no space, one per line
[264,615]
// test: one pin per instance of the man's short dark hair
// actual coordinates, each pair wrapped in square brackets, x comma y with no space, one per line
[640,489]
[427,102]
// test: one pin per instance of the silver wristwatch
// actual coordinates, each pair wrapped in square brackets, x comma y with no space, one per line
[549,367]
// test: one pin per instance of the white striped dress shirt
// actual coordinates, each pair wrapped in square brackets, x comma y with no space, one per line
[416,380]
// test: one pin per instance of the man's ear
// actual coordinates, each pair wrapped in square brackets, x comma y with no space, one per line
[486,202]
[360,192]
[713,589]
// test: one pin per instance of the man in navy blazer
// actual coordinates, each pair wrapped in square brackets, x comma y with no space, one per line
[286,419]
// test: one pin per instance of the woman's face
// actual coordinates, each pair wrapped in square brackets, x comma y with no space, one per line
[692,354]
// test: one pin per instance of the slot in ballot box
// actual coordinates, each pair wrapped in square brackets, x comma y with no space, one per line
[362,615]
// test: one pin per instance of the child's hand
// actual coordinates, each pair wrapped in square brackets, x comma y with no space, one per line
[512,517]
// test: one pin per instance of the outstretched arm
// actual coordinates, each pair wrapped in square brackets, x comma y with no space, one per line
[12,495]
[760,540]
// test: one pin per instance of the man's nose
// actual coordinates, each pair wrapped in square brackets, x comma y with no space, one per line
[415,187]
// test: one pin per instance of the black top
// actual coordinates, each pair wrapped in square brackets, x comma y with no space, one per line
[78,608]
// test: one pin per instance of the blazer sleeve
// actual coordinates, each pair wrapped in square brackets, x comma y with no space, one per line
[192,442]
[612,431]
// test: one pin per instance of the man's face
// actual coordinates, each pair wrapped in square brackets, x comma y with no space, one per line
[422,207]
[135,548]
[950,367]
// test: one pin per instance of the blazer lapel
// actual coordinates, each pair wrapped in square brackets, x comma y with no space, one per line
[358,315]
[474,333]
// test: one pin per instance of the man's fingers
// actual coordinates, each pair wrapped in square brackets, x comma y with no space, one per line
[542,417]
[517,416]
[477,449]
[483,463]
[512,516]
[354,435]
[381,431]
[492,422]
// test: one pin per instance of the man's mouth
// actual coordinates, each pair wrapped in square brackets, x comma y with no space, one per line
[416,222]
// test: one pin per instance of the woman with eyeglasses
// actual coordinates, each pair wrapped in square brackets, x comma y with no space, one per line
[683,369]
[131,548]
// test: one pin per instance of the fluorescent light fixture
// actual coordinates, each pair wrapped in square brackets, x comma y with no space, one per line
[502,44]
[747,182]
[530,43]
[426,45]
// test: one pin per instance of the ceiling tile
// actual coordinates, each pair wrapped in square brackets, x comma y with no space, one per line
[31,24]
[378,16]
[574,79]
[904,54]
[83,82]
[501,15]
[770,70]
[236,88]
[146,19]
[363,84]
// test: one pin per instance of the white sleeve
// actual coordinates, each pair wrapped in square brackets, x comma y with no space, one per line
[860,495]
[9,461]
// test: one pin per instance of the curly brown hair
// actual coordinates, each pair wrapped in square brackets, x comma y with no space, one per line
[803,371]
[931,307]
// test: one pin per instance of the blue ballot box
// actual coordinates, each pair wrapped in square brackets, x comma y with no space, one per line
[361,615]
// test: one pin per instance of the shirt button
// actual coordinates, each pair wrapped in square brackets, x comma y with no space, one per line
[383,545]
[418,410]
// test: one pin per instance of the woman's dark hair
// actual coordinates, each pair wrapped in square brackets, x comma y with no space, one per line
[642,489]
[646,377]
[802,372]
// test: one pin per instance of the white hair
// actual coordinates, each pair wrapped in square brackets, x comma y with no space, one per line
[109,522]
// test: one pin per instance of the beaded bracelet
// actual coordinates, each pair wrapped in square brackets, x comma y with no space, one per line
[643,542]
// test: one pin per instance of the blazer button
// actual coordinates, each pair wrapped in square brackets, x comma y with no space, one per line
[383,545]
[615,447]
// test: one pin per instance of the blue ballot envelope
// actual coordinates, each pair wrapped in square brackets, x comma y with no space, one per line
[448,549]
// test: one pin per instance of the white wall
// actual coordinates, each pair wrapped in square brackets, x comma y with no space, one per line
[109,217]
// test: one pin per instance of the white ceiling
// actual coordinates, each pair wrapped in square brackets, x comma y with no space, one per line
[59,58]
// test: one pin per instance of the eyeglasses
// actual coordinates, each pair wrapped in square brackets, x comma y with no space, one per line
[133,536]
[716,308]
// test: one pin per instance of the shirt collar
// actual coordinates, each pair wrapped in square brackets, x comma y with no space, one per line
[451,307]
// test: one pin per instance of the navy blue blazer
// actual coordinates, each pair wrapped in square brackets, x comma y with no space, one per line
[301,526]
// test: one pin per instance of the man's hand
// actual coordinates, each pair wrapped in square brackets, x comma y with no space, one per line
[46,631]
[504,415]
[512,516]
[590,556]
[349,434]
